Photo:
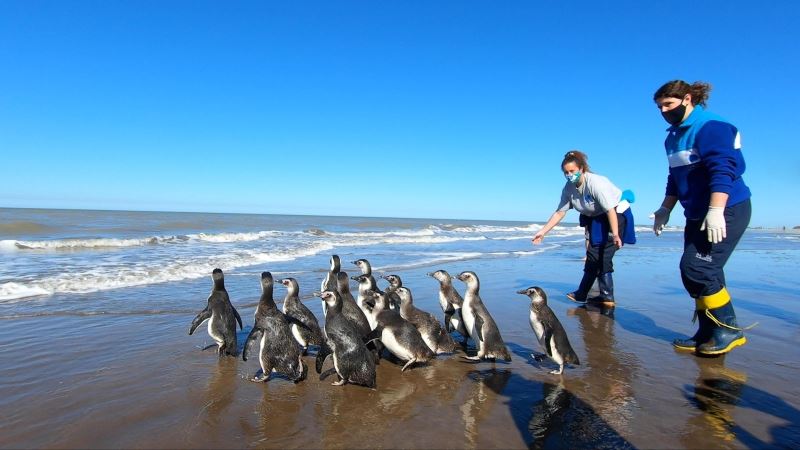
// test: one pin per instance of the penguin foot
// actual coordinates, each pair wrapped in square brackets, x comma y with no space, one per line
[538,356]
[207,347]
[327,373]
[260,377]
[472,358]
[341,382]
[410,362]
[559,371]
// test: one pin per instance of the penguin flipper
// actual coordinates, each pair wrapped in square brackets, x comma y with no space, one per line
[548,336]
[322,354]
[203,315]
[238,317]
[447,316]
[374,335]
[479,326]
[255,333]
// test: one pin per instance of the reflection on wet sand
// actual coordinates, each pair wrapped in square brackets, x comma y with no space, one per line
[220,391]
[483,388]
[715,394]
[721,391]
[610,369]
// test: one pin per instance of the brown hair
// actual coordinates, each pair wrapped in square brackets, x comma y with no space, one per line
[679,89]
[578,157]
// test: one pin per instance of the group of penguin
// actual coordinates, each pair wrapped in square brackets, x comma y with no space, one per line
[358,329]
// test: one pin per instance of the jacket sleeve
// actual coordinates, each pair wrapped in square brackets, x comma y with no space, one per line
[715,143]
[672,190]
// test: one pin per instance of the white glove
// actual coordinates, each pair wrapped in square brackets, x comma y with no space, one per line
[714,224]
[660,218]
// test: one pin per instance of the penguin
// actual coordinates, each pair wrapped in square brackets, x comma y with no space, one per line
[278,350]
[366,285]
[222,317]
[329,283]
[401,338]
[350,308]
[451,302]
[548,330]
[294,309]
[432,332]
[479,322]
[391,292]
[352,362]
[366,269]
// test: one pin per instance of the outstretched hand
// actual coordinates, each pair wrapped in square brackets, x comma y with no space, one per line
[537,238]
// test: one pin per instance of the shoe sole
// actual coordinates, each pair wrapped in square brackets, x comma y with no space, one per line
[735,343]
[684,348]
[572,298]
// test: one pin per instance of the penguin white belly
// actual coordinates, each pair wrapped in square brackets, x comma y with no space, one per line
[389,340]
[213,332]
[298,337]
[554,353]
[430,341]
[336,365]
[538,329]
[261,353]
[469,324]
[456,323]
[443,301]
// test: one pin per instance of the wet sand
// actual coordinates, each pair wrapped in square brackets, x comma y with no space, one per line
[138,380]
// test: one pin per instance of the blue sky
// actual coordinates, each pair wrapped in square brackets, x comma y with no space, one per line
[440,109]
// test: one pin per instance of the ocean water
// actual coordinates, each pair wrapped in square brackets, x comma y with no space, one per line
[50,257]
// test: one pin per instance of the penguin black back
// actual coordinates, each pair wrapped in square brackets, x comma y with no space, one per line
[221,315]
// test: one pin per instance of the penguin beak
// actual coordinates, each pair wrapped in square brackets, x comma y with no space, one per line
[523,292]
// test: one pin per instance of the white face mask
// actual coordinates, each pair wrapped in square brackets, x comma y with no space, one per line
[573,178]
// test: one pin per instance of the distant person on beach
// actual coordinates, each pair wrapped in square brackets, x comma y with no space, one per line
[605,216]
[705,174]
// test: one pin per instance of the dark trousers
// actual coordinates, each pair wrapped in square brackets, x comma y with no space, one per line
[599,259]
[702,262]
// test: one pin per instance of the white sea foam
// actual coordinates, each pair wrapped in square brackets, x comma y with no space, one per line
[11,290]
[120,276]
[72,244]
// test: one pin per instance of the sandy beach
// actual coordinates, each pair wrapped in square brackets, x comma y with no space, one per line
[138,380]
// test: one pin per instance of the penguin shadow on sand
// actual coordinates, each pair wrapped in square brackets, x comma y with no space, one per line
[718,392]
[548,415]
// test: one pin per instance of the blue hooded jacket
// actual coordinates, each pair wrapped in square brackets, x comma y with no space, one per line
[705,156]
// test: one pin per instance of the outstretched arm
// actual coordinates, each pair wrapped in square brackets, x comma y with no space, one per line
[554,220]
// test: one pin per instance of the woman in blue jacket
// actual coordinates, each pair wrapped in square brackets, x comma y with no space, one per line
[705,175]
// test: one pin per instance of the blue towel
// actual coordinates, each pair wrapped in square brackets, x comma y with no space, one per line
[600,228]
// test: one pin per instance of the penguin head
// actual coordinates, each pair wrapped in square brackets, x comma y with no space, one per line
[218,279]
[291,285]
[393,280]
[469,277]
[361,279]
[536,294]
[441,276]
[266,280]
[379,297]
[363,264]
[329,297]
[404,294]
[335,263]
[342,279]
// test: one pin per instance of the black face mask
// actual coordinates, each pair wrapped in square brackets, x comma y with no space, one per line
[675,115]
